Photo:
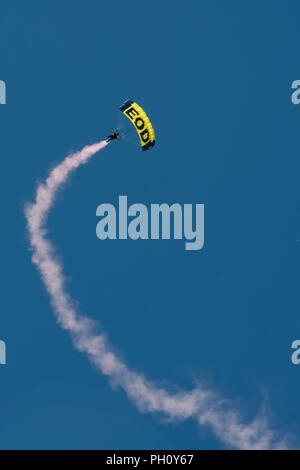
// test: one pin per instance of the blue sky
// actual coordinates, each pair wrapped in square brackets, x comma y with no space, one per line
[216,82]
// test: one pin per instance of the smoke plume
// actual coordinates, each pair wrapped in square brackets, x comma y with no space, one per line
[201,404]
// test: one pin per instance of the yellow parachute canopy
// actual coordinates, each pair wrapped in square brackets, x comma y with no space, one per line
[141,122]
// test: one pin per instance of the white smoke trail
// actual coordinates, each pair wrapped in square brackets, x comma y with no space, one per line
[200,404]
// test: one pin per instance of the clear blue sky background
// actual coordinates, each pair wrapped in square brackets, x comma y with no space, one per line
[215,77]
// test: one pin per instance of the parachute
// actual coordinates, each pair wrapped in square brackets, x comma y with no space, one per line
[141,122]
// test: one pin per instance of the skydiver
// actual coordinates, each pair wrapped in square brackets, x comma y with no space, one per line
[113,136]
